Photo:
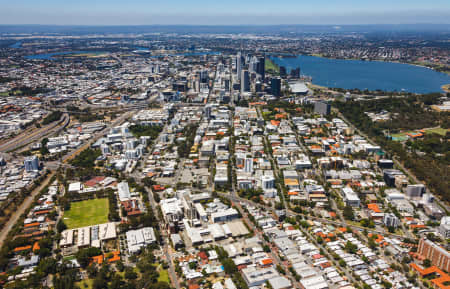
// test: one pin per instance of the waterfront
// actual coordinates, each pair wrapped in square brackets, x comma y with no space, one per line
[371,75]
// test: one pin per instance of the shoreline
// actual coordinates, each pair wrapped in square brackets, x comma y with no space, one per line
[446,88]
[371,60]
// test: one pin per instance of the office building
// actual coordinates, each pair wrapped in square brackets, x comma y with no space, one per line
[282,71]
[31,164]
[123,191]
[248,165]
[275,85]
[415,191]
[245,81]
[238,65]
[295,72]
[391,220]
[261,67]
[322,108]
[136,239]
[350,197]
[444,227]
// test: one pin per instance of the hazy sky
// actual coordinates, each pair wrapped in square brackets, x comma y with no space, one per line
[140,12]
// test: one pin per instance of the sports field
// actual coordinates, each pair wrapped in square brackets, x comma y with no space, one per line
[87,213]
[438,130]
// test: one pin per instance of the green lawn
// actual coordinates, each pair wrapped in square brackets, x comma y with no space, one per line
[87,213]
[164,276]
[399,136]
[271,66]
[439,130]
[85,283]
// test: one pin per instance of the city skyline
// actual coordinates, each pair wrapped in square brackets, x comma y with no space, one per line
[199,12]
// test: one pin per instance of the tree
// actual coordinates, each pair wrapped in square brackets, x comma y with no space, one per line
[84,255]
[427,263]
[350,247]
[61,226]
[99,283]
[348,213]
[130,274]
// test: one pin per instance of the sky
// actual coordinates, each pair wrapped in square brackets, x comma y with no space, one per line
[223,12]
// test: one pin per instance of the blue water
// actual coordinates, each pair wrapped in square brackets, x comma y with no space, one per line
[48,56]
[16,45]
[371,75]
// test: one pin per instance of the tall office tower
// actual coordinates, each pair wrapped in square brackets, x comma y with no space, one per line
[208,110]
[31,164]
[204,76]
[295,73]
[227,84]
[275,85]
[238,65]
[220,67]
[261,67]
[258,86]
[245,81]
[282,71]
[253,64]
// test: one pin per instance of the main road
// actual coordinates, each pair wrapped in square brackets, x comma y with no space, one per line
[53,166]
[28,137]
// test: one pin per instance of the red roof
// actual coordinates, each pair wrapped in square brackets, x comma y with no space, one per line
[203,255]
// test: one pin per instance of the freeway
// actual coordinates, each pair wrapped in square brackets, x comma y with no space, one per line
[27,137]
[53,165]
[21,209]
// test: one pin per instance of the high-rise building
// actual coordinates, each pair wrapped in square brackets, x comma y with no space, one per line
[261,67]
[245,81]
[282,71]
[105,149]
[322,108]
[238,65]
[248,165]
[415,191]
[295,72]
[391,220]
[227,84]
[436,254]
[267,182]
[31,164]
[275,85]
[253,64]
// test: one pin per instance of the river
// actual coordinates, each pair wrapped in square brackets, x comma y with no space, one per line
[371,75]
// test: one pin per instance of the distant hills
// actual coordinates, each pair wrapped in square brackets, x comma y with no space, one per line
[226,29]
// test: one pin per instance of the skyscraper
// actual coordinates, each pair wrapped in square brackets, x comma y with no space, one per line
[238,65]
[282,71]
[275,85]
[295,73]
[261,67]
[245,81]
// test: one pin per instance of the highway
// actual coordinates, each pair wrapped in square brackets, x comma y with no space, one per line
[27,137]
[21,209]
[52,166]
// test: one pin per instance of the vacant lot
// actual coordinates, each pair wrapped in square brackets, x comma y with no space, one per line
[87,213]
